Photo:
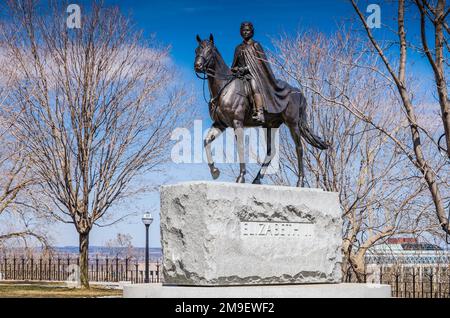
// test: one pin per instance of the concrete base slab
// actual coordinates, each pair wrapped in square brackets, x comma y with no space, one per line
[280,291]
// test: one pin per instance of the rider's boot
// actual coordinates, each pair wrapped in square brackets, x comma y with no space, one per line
[259,110]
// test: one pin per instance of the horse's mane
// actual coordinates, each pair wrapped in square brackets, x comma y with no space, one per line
[221,65]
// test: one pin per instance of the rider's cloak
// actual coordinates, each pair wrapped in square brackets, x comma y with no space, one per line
[275,92]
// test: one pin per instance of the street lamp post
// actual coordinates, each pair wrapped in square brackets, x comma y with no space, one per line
[147,219]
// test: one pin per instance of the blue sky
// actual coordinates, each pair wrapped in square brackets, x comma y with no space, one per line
[176,23]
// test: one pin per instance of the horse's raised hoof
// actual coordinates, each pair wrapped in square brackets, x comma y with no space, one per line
[240,179]
[215,173]
[257,181]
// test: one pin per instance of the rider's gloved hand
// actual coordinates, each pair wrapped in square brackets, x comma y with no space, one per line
[241,70]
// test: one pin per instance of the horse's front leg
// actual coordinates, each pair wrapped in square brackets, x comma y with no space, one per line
[239,133]
[213,133]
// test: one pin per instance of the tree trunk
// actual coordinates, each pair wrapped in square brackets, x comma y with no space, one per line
[84,260]
[353,268]
[359,271]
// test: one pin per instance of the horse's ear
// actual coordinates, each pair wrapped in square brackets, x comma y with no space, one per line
[198,39]
[211,38]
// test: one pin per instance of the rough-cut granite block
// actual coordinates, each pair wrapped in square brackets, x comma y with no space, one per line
[215,234]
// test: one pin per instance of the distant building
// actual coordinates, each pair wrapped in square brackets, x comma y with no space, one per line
[407,252]
[406,256]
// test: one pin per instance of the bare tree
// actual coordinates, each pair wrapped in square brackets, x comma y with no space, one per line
[20,219]
[19,223]
[379,194]
[435,12]
[396,67]
[96,108]
[121,245]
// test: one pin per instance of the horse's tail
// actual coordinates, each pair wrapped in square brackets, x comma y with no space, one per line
[312,139]
[306,132]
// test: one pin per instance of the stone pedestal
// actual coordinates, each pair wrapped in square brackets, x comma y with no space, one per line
[227,234]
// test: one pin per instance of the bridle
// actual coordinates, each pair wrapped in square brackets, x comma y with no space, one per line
[206,74]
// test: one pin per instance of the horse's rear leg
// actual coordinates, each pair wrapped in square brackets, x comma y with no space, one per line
[270,144]
[239,133]
[296,135]
[213,133]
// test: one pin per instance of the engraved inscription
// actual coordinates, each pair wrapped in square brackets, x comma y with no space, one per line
[274,229]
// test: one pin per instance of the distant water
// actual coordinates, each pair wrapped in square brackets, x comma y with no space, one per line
[155,252]
[100,251]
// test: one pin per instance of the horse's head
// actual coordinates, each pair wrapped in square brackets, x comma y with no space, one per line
[204,55]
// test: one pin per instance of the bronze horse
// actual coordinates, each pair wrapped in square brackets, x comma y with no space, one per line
[230,106]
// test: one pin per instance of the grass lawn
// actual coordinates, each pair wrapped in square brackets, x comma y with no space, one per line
[52,290]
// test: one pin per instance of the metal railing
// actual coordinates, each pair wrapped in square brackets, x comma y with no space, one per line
[103,269]
[430,282]
[413,281]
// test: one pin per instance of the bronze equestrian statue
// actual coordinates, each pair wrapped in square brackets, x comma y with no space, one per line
[249,95]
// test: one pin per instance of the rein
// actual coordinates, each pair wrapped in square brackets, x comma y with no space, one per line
[205,76]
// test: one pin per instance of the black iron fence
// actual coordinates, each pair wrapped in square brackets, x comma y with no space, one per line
[406,282]
[413,281]
[103,269]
